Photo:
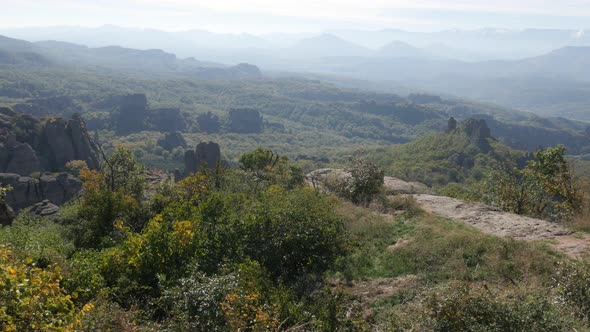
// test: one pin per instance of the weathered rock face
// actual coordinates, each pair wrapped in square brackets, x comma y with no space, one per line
[208,122]
[167,119]
[172,140]
[132,114]
[42,145]
[27,191]
[478,133]
[208,153]
[65,141]
[245,121]
[15,157]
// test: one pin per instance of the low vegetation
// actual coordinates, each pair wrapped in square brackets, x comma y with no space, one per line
[254,248]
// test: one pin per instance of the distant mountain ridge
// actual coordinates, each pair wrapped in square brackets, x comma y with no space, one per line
[14,52]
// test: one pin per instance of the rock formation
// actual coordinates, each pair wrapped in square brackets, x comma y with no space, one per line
[27,191]
[245,121]
[451,125]
[67,140]
[45,208]
[16,157]
[171,141]
[207,153]
[478,133]
[132,114]
[166,119]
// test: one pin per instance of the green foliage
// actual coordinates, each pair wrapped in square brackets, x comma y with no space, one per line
[74,167]
[122,173]
[573,283]
[440,159]
[364,183]
[462,307]
[115,193]
[293,233]
[544,188]
[37,238]
[271,168]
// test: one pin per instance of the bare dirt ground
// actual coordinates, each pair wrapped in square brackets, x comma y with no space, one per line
[499,223]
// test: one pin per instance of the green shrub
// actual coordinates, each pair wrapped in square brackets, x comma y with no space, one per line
[463,307]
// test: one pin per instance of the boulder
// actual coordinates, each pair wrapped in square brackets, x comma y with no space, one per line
[44,208]
[27,191]
[172,140]
[326,178]
[6,214]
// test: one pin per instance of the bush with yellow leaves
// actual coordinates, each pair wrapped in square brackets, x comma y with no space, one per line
[32,298]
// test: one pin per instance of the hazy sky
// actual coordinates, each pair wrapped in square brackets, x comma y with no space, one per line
[260,16]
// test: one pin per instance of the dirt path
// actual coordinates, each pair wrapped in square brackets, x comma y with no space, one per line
[495,222]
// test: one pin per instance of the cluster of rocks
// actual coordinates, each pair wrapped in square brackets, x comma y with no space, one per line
[57,188]
[204,155]
[133,114]
[43,145]
[33,156]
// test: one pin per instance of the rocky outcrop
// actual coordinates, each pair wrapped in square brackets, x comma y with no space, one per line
[27,191]
[45,208]
[166,119]
[65,141]
[42,145]
[451,125]
[15,157]
[478,133]
[245,121]
[132,114]
[171,141]
[208,154]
